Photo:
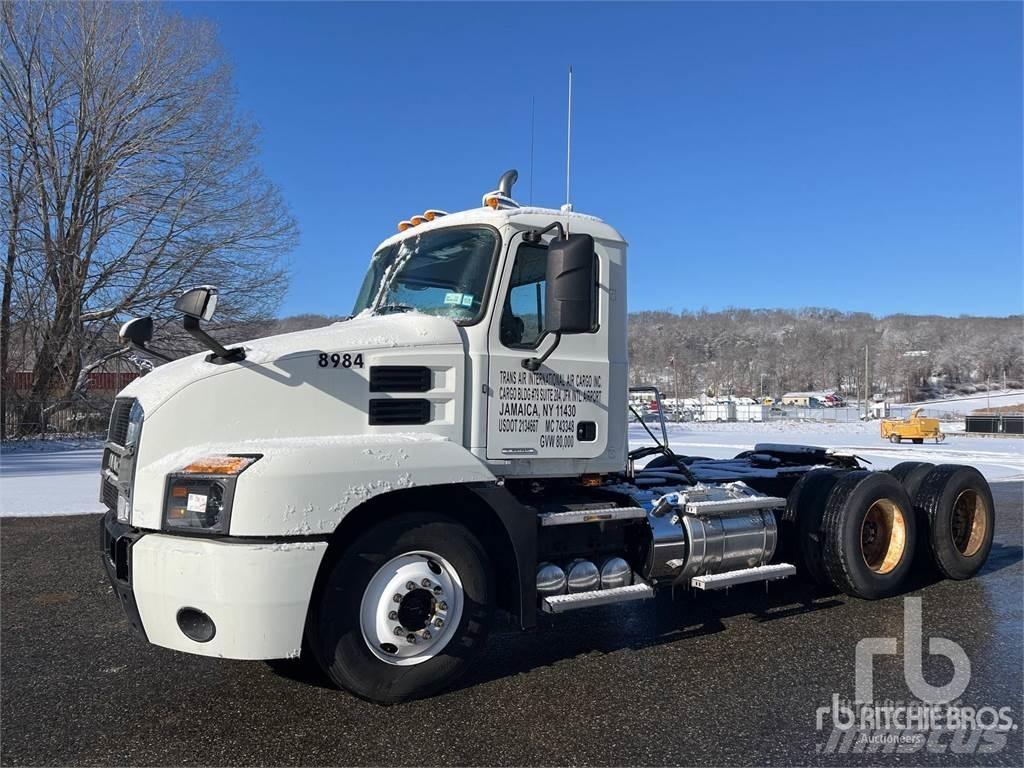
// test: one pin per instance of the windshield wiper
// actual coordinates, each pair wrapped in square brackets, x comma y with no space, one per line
[387,309]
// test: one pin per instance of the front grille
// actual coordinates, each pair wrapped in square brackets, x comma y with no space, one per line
[118,460]
[108,494]
[119,415]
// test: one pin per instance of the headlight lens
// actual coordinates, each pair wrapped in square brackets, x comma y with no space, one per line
[199,495]
[127,463]
[134,425]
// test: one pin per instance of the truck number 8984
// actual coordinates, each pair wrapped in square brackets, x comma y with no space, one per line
[346,360]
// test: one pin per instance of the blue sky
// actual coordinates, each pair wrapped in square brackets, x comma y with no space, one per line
[864,156]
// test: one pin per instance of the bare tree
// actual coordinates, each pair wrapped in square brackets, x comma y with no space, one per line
[139,179]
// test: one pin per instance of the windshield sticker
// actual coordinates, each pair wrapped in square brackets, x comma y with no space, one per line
[454,298]
[467,299]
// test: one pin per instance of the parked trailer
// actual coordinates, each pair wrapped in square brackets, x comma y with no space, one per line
[366,495]
[717,412]
[746,412]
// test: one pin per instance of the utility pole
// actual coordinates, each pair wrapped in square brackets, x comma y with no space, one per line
[867,384]
[675,380]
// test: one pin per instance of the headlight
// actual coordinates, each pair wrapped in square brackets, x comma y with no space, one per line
[126,463]
[134,425]
[199,495]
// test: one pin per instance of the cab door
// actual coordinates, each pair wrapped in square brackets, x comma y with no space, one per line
[559,411]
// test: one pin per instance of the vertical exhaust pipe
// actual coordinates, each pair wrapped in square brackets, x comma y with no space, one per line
[508,178]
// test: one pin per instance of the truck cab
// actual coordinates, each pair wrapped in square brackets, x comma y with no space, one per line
[365,495]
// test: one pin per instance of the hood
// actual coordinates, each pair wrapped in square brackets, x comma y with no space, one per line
[364,332]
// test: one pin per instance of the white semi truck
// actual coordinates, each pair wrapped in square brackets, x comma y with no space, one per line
[366,495]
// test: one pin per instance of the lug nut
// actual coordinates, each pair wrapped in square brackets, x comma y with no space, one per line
[426,634]
[397,598]
[393,615]
[399,631]
[438,623]
[437,590]
[426,583]
[410,585]
[411,638]
[442,606]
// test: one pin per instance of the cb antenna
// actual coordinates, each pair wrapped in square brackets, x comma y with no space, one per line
[568,150]
[533,112]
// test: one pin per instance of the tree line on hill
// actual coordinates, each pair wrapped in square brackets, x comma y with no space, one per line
[772,351]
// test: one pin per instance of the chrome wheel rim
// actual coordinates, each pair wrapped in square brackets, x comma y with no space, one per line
[411,608]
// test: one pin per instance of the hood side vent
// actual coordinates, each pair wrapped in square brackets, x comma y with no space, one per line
[398,411]
[399,378]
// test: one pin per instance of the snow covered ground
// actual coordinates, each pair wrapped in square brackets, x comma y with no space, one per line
[50,478]
[55,478]
[969,404]
[997,458]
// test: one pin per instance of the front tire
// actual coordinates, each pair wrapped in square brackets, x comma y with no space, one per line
[404,609]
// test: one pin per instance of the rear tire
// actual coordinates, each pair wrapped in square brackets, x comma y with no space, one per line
[801,523]
[869,533]
[910,474]
[956,502]
[895,439]
[355,602]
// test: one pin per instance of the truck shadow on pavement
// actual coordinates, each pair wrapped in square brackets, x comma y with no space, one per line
[661,621]
[1002,556]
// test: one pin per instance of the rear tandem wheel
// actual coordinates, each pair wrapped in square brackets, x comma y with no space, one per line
[869,534]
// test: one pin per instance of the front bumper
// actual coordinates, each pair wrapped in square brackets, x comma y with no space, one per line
[256,593]
[116,541]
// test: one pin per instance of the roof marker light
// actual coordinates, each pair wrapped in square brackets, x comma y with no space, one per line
[404,225]
[431,213]
[417,220]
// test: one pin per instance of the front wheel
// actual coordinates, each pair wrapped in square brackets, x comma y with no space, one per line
[404,609]
[895,439]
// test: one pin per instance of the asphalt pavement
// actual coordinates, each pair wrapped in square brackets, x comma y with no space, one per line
[704,679]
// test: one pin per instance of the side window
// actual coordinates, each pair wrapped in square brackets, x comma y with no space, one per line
[522,318]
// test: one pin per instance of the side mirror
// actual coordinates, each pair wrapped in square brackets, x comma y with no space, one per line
[137,331]
[569,295]
[198,303]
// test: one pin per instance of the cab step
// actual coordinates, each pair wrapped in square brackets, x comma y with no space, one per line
[562,603]
[599,515]
[743,576]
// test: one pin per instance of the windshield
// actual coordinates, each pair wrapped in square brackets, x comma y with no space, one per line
[443,272]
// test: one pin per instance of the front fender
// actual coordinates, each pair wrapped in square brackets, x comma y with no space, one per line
[306,486]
